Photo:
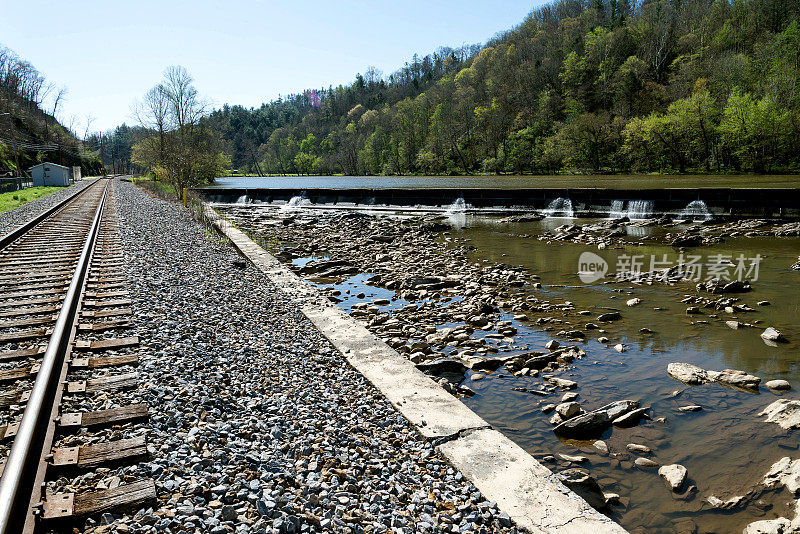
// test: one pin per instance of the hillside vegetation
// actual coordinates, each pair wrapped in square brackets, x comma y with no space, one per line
[578,86]
[29,133]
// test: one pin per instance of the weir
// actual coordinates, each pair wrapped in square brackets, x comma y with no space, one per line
[695,204]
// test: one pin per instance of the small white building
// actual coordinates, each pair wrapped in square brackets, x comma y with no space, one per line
[50,174]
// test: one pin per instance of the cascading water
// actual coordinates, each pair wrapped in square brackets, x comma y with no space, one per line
[639,209]
[617,210]
[295,203]
[458,206]
[242,199]
[560,207]
[696,210]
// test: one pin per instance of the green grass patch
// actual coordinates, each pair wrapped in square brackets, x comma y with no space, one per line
[15,199]
[156,188]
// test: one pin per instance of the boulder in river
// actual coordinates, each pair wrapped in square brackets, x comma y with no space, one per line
[582,483]
[688,373]
[736,378]
[785,472]
[593,423]
[778,385]
[783,412]
[674,474]
[609,316]
[772,334]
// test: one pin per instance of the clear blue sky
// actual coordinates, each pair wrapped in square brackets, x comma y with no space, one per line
[109,53]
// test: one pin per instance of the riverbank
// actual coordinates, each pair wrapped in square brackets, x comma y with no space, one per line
[527,345]
[266,429]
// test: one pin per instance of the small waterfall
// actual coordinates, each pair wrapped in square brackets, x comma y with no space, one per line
[696,210]
[639,209]
[296,203]
[617,210]
[560,207]
[458,206]
[242,200]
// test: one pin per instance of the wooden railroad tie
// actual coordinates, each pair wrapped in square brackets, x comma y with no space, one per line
[104,383]
[25,335]
[107,325]
[106,344]
[107,313]
[22,353]
[106,303]
[111,416]
[103,361]
[19,373]
[89,456]
[66,505]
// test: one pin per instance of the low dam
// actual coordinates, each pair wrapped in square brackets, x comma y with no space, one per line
[719,203]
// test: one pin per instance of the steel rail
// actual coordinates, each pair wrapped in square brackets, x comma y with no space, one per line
[19,476]
[23,229]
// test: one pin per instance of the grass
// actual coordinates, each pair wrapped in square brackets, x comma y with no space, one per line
[15,199]
[156,188]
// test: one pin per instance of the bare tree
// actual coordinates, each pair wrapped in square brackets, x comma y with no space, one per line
[57,99]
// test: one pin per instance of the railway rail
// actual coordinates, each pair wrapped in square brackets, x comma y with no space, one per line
[70,423]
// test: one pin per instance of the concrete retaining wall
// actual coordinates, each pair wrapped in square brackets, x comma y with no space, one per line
[530,493]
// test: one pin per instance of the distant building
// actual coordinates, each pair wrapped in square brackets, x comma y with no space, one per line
[50,174]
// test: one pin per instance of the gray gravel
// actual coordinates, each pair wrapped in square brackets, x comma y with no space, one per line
[9,220]
[258,424]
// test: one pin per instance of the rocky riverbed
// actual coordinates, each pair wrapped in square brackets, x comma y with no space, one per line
[513,345]
[258,424]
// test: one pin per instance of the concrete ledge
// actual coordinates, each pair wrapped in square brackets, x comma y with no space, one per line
[527,491]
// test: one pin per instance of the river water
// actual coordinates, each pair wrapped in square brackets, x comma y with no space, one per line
[509,182]
[726,447]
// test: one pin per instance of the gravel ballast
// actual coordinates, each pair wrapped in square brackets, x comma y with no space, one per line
[258,424]
[11,219]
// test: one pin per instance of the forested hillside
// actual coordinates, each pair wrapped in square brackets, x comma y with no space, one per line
[29,133]
[579,85]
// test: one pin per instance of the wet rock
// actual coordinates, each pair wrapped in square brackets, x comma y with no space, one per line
[630,418]
[688,373]
[691,408]
[562,382]
[769,526]
[778,385]
[674,474]
[569,396]
[584,425]
[772,334]
[736,378]
[785,472]
[568,410]
[619,347]
[577,459]
[692,310]
[645,463]
[442,365]
[610,316]
[477,376]
[635,447]
[784,412]
[582,483]
[552,344]
[726,504]
[600,445]
[634,302]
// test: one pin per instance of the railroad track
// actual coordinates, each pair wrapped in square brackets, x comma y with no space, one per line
[71,429]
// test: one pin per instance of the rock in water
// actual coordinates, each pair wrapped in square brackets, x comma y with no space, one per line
[688,373]
[568,410]
[784,412]
[674,474]
[582,426]
[772,334]
[645,463]
[584,485]
[778,385]
[769,526]
[610,316]
[785,471]
[736,378]
[634,302]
